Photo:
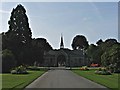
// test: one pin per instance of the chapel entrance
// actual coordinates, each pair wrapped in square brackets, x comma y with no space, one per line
[61,61]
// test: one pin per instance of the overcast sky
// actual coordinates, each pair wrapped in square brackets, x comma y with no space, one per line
[94,20]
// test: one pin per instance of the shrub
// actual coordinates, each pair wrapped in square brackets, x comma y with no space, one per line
[112,68]
[102,72]
[84,68]
[19,70]
[13,72]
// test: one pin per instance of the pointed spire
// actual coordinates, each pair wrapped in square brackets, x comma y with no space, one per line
[61,43]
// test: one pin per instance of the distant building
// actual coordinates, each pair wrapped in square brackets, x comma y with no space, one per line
[64,57]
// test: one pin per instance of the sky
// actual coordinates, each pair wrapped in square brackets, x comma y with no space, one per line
[94,20]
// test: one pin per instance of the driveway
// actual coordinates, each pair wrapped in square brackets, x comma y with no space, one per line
[63,79]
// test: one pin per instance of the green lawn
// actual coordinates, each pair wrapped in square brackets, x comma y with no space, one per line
[19,81]
[110,81]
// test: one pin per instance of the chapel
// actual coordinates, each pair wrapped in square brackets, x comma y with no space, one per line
[64,57]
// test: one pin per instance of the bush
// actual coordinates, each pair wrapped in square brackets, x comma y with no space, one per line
[102,72]
[19,70]
[13,72]
[84,68]
[112,68]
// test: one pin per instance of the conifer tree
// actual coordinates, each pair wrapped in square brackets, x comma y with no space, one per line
[18,26]
[19,33]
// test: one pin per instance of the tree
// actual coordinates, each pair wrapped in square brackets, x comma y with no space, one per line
[90,52]
[19,26]
[37,49]
[110,57]
[18,39]
[43,44]
[79,42]
[19,34]
[99,53]
[8,61]
[93,53]
[99,42]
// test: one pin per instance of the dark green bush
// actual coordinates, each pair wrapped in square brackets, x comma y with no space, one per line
[19,70]
[102,72]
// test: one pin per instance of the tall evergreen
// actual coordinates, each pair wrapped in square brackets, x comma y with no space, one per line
[19,26]
[19,33]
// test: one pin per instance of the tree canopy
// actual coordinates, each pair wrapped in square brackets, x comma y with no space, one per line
[105,53]
[79,42]
[18,39]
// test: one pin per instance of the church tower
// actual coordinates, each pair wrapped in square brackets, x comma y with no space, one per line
[61,43]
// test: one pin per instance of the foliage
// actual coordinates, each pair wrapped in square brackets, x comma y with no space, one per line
[18,39]
[110,58]
[84,68]
[94,52]
[99,42]
[106,53]
[19,70]
[38,47]
[79,42]
[8,61]
[102,72]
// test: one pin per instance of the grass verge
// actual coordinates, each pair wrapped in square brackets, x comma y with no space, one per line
[12,81]
[110,81]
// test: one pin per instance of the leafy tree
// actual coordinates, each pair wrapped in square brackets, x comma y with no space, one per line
[100,53]
[79,42]
[18,26]
[110,57]
[93,53]
[18,39]
[8,60]
[90,51]
[19,34]
[108,43]
[38,47]
[99,42]
[43,44]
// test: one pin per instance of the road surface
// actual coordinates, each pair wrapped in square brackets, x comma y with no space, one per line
[63,79]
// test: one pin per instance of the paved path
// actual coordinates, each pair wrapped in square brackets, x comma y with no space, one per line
[62,79]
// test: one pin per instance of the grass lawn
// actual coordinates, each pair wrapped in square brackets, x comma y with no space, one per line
[19,81]
[110,81]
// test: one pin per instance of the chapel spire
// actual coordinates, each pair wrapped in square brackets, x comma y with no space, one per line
[61,43]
